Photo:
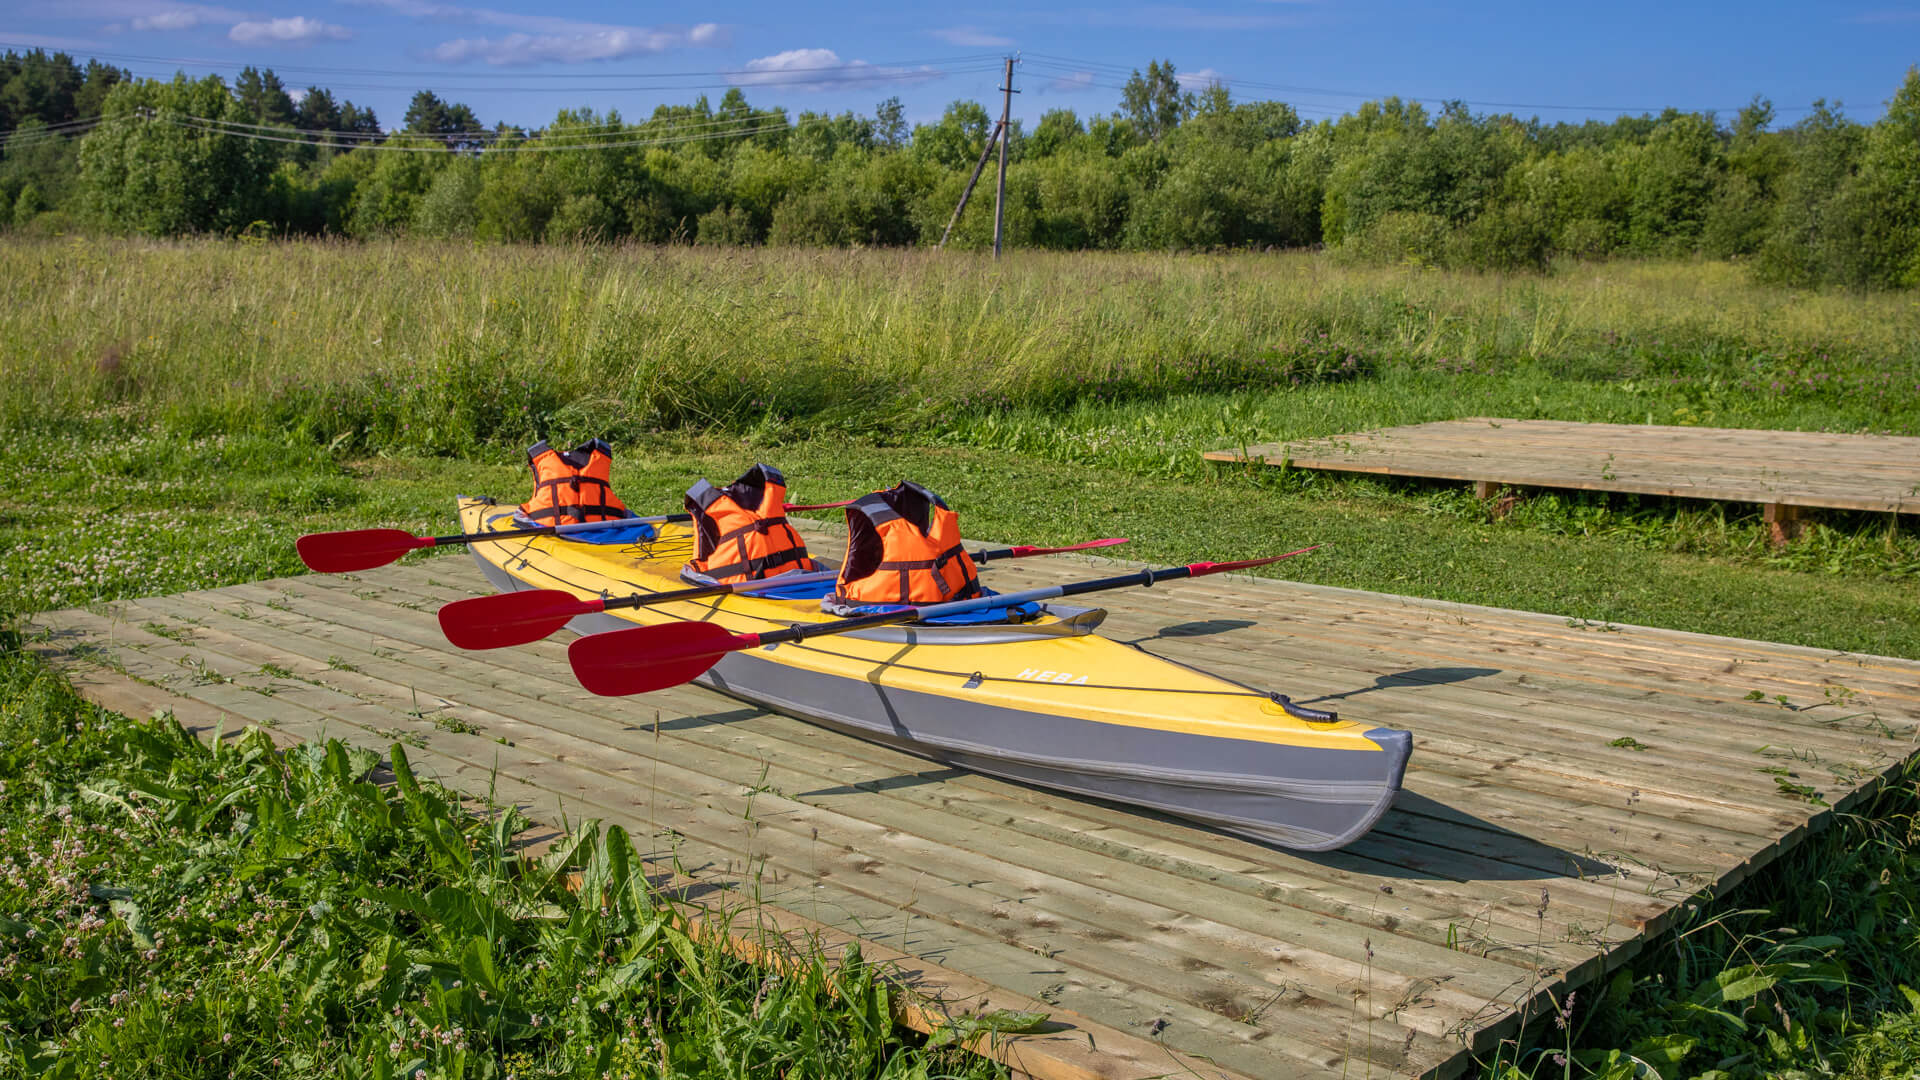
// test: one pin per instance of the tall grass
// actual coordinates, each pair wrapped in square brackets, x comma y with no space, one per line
[170,908]
[443,347]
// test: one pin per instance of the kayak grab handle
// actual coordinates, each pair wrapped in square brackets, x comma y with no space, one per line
[1301,712]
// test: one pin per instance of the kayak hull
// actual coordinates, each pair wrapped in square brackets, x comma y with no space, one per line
[1317,791]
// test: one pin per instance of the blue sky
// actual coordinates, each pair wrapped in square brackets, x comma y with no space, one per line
[520,61]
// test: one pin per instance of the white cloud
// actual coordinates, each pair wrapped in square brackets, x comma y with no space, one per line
[612,44]
[822,69]
[1199,80]
[971,37]
[539,39]
[296,30]
[1070,84]
[146,15]
[178,19]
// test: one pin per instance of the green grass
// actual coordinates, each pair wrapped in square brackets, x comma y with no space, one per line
[175,414]
[170,908]
[154,532]
[444,347]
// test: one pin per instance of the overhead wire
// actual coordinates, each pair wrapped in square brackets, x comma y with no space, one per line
[448,144]
[741,116]
[964,58]
[1057,62]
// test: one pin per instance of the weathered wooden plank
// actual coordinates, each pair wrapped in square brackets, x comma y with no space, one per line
[742,835]
[1528,845]
[1642,825]
[1054,900]
[1781,468]
[1075,1048]
[1638,823]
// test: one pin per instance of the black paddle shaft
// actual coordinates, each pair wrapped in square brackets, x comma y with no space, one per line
[540,530]
[914,614]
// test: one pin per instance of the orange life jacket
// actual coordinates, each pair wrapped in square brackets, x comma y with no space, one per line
[741,531]
[572,485]
[903,547]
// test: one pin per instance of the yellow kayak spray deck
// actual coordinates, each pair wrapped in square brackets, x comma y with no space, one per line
[1047,701]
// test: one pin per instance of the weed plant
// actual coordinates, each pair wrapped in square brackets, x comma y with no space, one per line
[173,908]
[1807,970]
[442,348]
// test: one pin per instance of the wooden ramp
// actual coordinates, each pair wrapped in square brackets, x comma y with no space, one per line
[1783,470]
[1570,785]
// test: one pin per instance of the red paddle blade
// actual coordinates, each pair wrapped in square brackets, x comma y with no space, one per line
[356,549]
[515,618]
[1203,568]
[651,657]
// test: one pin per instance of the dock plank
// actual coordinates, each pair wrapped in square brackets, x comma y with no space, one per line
[1785,468]
[1527,856]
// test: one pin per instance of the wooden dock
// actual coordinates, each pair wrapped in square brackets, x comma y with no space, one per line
[1784,471]
[1571,784]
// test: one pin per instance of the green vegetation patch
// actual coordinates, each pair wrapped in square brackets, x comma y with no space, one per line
[170,908]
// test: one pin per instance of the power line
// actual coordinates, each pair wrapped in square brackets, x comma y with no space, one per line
[449,144]
[1079,65]
[231,65]
[740,116]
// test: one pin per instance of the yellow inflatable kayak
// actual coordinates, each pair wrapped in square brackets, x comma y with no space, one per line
[1045,701]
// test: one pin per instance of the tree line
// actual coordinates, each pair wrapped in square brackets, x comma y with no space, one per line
[1823,200]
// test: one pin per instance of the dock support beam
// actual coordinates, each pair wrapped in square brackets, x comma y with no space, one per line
[1784,523]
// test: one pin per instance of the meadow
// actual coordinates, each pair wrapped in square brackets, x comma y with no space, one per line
[173,414]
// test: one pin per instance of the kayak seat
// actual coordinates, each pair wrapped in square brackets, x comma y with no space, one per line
[637,533]
[806,590]
[1017,613]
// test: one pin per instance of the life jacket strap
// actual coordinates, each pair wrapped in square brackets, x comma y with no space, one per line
[757,568]
[760,526]
[577,511]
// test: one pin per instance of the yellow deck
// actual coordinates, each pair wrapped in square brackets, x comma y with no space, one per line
[1086,676]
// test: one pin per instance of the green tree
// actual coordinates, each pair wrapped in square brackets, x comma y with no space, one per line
[317,111]
[1818,229]
[1670,184]
[890,131]
[453,124]
[263,98]
[955,142]
[1058,130]
[163,176]
[1890,186]
[1154,102]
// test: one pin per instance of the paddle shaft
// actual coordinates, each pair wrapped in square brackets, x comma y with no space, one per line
[585,526]
[646,658]
[701,592]
[934,611]
[551,530]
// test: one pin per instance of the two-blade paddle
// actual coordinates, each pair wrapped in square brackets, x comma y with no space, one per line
[656,657]
[364,549]
[516,618]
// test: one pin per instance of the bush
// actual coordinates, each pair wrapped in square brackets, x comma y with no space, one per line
[583,219]
[1511,237]
[724,226]
[1402,236]
[1586,238]
[450,207]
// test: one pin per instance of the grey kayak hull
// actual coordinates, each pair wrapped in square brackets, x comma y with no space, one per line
[1302,798]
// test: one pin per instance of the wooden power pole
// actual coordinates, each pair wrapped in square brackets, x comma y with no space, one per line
[978,168]
[1000,193]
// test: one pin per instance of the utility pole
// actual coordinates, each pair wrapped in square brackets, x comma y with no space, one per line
[978,168]
[1000,193]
